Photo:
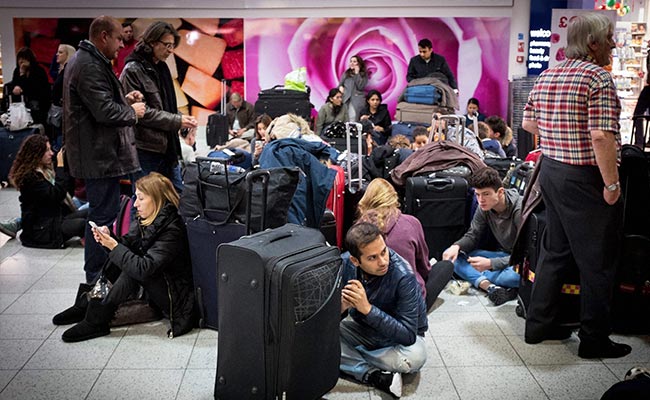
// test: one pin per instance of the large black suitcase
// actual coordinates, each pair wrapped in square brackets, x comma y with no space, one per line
[279,296]
[530,238]
[216,132]
[442,205]
[10,142]
[205,233]
[279,101]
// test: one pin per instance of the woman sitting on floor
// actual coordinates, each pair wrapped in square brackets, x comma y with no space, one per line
[404,234]
[154,255]
[48,217]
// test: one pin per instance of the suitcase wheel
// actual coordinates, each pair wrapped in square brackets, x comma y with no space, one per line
[520,310]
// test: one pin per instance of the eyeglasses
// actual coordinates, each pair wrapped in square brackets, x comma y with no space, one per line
[169,45]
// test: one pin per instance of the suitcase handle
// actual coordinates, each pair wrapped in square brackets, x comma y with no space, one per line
[439,184]
[264,176]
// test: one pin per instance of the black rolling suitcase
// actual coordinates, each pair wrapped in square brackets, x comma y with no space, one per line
[279,311]
[631,299]
[205,233]
[441,206]
[278,101]
[530,240]
[10,142]
[216,132]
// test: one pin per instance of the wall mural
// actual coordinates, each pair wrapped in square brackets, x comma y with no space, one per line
[264,50]
[476,50]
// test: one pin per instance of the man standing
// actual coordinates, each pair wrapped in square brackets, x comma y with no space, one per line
[97,125]
[385,336]
[574,109]
[241,117]
[427,63]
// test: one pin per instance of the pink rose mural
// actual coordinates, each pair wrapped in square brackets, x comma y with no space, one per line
[476,50]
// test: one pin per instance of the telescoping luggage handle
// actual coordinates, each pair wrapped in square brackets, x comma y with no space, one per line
[457,120]
[348,143]
[224,90]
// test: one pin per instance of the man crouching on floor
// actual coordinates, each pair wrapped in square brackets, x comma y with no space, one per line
[385,336]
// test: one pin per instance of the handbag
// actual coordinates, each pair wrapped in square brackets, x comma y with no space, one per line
[17,116]
[222,191]
[55,115]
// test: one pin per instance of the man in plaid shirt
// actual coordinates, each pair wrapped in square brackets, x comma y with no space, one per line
[574,109]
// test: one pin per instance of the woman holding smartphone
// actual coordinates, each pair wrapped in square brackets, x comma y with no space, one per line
[154,255]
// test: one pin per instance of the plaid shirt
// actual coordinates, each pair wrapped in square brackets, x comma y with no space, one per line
[568,102]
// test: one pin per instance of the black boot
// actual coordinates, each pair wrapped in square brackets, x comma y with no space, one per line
[77,312]
[95,324]
[602,348]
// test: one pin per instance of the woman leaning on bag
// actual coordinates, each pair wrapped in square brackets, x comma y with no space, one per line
[154,254]
[48,219]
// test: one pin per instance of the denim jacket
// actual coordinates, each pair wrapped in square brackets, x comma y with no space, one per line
[398,310]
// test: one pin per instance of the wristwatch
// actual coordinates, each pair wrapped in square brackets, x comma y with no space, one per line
[613,187]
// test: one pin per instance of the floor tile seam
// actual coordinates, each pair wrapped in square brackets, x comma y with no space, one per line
[180,384]
[451,379]
[17,371]
[500,329]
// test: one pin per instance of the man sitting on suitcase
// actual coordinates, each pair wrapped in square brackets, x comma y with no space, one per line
[500,212]
[385,336]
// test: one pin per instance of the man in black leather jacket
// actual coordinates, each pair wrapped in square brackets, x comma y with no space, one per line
[385,336]
[97,129]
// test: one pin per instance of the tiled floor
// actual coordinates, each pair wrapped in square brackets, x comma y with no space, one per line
[475,350]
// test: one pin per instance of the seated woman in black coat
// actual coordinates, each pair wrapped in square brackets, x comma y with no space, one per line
[376,116]
[48,219]
[154,255]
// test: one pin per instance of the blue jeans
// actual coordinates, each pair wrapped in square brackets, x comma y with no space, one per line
[156,162]
[363,351]
[103,206]
[506,277]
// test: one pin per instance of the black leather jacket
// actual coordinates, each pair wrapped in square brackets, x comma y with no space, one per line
[97,121]
[398,310]
[158,128]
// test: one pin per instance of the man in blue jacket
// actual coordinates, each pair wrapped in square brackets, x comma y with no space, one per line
[385,336]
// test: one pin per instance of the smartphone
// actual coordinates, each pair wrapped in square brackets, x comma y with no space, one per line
[92,224]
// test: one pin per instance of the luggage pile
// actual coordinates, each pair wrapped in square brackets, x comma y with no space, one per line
[422,98]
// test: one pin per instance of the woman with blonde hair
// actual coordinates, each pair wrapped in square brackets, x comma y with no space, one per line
[154,255]
[404,234]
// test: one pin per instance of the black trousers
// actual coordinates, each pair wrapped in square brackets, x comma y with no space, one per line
[74,224]
[127,288]
[582,230]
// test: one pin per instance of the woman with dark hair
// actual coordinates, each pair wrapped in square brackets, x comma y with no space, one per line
[376,117]
[333,110]
[46,207]
[30,81]
[473,111]
[154,255]
[261,125]
[156,134]
[352,85]
[404,234]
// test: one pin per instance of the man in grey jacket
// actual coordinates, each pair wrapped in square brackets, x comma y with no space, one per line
[97,128]
[500,212]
